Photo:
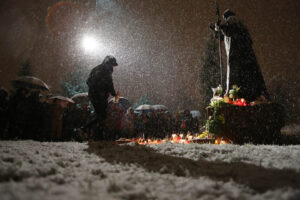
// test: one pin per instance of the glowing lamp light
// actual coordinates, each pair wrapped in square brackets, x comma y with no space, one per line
[90,44]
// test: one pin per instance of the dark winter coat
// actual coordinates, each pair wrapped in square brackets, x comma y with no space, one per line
[16,110]
[100,85]
[3,112]
[56,121]
[244,69]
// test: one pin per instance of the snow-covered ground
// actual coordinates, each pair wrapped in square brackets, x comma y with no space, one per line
[35,170]
[268,156]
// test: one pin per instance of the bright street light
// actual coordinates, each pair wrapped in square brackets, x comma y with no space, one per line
[90,43]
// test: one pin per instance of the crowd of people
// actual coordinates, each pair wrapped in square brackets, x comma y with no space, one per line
[144,124]
[153,125]
[158,124]
[27,115]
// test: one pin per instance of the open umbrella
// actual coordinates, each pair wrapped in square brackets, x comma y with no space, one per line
[144,107]
[81,98]
[30,82]
[123,103]
[195,113]
[61,98]
[159,107]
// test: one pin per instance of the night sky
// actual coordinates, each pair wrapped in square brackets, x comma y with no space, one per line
[158,43]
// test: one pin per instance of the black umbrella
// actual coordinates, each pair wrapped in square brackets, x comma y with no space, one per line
[123,103]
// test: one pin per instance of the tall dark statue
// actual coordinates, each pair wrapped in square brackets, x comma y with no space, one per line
[242,67]
[100,85]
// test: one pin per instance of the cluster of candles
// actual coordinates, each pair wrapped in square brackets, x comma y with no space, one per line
[177,138]
[238,102]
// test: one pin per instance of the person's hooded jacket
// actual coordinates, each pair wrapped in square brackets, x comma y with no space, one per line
[100,79]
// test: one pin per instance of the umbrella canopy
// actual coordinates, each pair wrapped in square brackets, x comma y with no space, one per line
[30,82]
[159,107]
[61,98]
[123,103]
[144,107]
[195,113]
[81,98]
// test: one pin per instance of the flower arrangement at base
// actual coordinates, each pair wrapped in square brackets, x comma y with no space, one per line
[217,120]
[234,92]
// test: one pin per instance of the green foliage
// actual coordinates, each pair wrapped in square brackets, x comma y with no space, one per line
[217,120]
[213,125]
[234,92]
[74,82]
[220,90]
[25,69]
[143,100]
[216,105]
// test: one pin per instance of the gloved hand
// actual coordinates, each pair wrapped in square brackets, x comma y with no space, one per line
[117,97]
[214,27]
[217,27]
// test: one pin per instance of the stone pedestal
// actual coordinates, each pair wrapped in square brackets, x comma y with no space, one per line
[259,124]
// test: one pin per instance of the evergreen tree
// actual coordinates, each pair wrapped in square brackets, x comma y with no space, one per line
[25,69]
[143,100]
[209,74]
[282,92]
[74,82]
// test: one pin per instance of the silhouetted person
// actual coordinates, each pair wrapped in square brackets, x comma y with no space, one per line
[153,125]
[100,85]
[177,122]
[71,121]
[129,119]
[3,112]
[242,66]
[34,116]
[169,124]
[17,113]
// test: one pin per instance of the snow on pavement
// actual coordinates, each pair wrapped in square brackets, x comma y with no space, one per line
[268,156]
[64,170]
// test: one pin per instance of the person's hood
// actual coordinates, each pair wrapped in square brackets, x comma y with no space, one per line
[110,61]
[227,14]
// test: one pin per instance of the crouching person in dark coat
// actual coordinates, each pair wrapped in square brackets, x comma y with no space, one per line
[100,85]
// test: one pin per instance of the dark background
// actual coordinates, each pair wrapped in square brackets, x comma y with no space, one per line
[158,43]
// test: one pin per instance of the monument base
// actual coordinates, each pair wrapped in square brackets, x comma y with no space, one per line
[258,124]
